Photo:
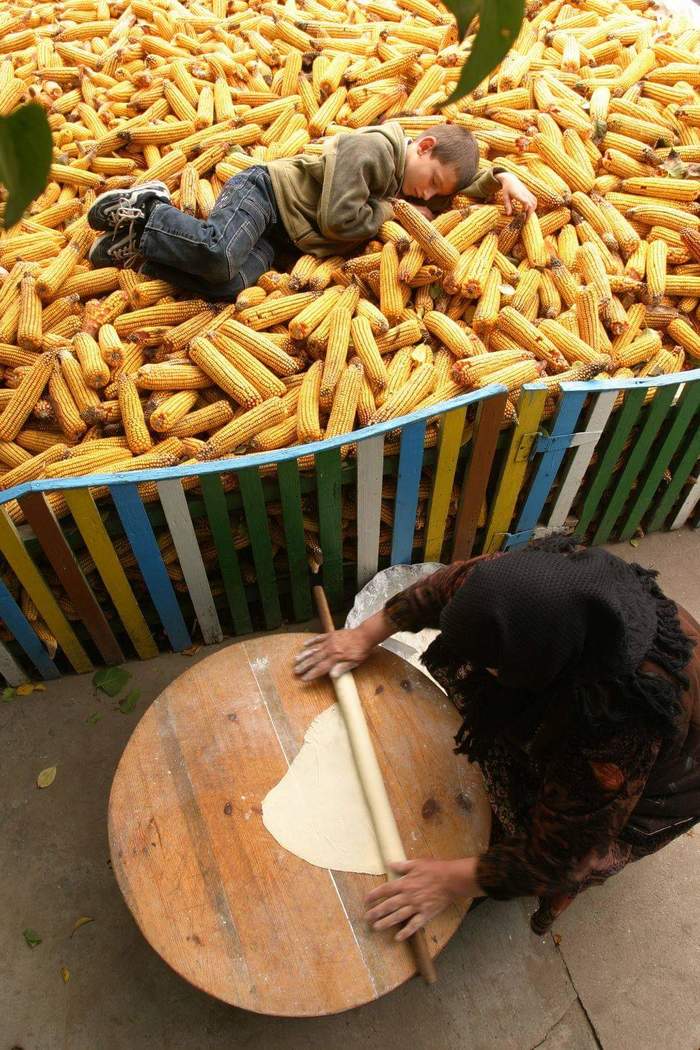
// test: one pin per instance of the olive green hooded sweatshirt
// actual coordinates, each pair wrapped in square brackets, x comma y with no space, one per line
[330,203]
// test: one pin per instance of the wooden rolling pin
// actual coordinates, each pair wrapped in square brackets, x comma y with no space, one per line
[388,838]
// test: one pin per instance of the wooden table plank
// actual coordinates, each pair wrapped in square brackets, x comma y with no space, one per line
[213,892]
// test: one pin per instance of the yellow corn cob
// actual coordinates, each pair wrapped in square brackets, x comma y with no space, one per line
[211,417]
[345,399]
[656,269]
[390,298]
[223,373]
[449,333]
[24,398]
[366,349]
[64,406]
[512,376]
[308,419]
[262,347]
[637,352]
[172,376]
[59,270]
[432,242]
[135,428]
[92,363]
[172,410]
[256,373]
[29,324]
[301,326]
[336,353]
[686,335]
[33,468]
[523,333]
[667,189]
[467,369]
[241,429]
[411,393]
[280,436]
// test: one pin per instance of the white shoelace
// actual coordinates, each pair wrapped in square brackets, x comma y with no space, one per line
[127,253]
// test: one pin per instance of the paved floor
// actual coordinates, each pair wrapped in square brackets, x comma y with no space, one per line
[622,972]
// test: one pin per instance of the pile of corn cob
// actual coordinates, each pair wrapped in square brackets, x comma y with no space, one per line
[596,109]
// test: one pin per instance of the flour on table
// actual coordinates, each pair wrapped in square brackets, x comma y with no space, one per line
[318,809]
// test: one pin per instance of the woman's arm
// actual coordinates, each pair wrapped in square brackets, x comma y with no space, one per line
[586,799]
[413,609]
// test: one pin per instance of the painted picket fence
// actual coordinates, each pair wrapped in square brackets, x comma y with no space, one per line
[534,478]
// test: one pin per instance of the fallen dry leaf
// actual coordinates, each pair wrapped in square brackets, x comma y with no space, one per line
[65,974]
[82,921]
[46,777]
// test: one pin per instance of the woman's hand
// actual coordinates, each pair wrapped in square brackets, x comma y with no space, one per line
[425,889]
[336,653]
[515,190]
[332,654]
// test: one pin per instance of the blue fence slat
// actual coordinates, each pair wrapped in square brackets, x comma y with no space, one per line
[567,417]
[407,486]
[140,535]
[20,627]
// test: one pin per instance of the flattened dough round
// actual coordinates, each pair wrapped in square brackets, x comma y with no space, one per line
[318,809]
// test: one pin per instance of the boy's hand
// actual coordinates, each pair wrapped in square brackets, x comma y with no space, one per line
[424,210]
[515,190]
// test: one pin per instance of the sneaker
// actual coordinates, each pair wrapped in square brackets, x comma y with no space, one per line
[116,207]
[119,248]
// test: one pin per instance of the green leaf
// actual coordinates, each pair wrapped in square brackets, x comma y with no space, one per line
[25,157]
[111,680]
[464,11]
[93,718]
[46,777]
[31,937]
[129,702]
[499,25]
[8,695]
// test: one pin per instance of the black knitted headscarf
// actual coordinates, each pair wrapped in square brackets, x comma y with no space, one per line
[567,631]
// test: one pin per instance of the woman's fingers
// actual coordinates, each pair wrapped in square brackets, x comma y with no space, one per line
[341,668]
[387,907]
[416,923]
[395,917]
[386,889]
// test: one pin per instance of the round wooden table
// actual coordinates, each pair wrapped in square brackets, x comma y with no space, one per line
[213,892]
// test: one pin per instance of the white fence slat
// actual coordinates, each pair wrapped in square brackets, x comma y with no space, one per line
[9,668]
[580,461]
[370,462]
[172,498]
[687,507]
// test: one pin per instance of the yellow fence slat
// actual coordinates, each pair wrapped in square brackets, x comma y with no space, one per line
[450,441]
[87,518]
[31,579]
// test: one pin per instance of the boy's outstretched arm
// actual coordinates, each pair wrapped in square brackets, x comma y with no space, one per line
[487,183]
[515,190]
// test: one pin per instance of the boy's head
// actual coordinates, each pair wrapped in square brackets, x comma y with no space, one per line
[440,162]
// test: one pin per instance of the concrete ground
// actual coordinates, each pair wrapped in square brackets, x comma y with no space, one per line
[621,970]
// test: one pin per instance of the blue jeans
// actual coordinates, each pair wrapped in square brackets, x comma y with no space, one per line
[218,257]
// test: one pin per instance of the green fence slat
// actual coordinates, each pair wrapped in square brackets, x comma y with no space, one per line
[685,410]
[219,522]
[257,524]
[292,517]
[660,406]
[330,526]
[625,421]
[680,475]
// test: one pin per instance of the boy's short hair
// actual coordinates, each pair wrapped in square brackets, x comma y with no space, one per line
[456,147]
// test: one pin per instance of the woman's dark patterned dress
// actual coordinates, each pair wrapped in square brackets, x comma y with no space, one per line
[574,818]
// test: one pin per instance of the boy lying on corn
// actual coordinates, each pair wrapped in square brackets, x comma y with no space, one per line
[321,205]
